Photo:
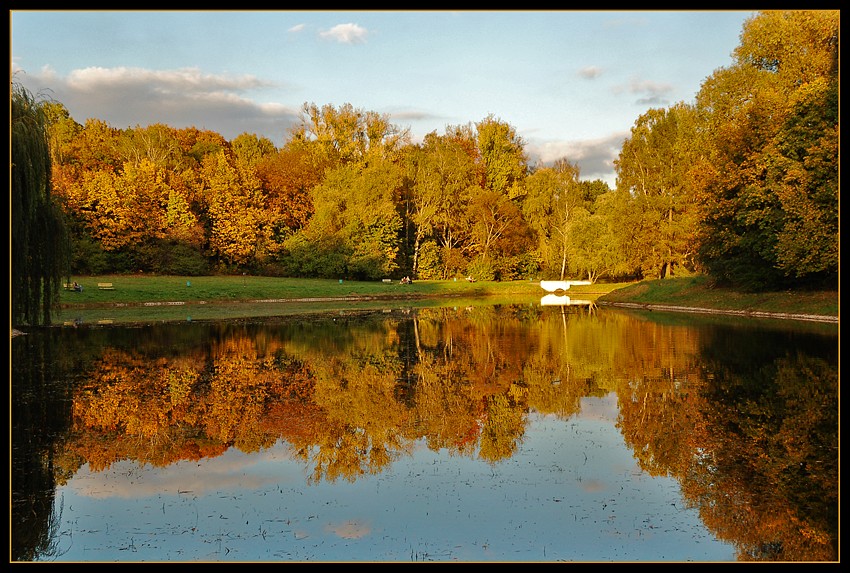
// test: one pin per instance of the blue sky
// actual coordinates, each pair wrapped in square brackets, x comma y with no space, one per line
[572,83]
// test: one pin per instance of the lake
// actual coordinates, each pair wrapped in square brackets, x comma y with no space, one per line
[487,433]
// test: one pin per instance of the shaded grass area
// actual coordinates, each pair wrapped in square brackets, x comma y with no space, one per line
[697,292]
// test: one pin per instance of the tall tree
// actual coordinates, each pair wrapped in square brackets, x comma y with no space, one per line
[354,231]
[503,155]
[349,135]
[553,202]
[652,167]
[443,174]
[40,254]
[234,201]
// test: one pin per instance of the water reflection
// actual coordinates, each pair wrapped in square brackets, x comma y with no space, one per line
[741,415]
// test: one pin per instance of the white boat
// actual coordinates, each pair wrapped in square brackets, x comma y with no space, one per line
[555,286]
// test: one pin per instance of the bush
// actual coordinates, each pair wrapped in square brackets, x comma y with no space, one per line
[87,258]
[481,270]
[183,259]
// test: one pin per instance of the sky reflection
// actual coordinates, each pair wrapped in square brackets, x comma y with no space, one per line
[571,492]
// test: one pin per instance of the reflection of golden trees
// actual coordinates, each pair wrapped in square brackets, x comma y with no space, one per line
[241,386]
[357,392]
[658,379]
[504,425]
[753,445]
[767,478]
[134,407]
[447,412]
[350,397]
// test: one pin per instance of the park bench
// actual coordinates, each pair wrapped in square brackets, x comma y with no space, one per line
[387,280]
[105,286]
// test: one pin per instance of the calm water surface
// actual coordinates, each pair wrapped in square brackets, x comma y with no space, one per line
[489,433]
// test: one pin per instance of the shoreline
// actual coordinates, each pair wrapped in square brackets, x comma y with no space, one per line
[745,313]
[366,298]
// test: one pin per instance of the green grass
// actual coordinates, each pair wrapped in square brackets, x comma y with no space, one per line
[134,289]
[697,292]
[150,298]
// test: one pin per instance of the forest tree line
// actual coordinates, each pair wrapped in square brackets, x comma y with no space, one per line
[741,184]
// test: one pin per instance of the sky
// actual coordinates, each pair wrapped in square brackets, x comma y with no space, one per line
[571,83]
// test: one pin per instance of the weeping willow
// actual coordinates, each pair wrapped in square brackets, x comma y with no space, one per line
[40,254]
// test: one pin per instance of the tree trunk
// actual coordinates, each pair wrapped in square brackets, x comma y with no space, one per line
[563,260]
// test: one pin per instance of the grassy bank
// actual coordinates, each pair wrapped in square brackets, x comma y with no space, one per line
[696,292]
[153,298]
[149,298]
[138,289]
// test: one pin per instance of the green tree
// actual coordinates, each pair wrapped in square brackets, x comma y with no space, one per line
[40,253]
[349,135]
[251,149]
[652,168]
[502,153]
[355,228]
[443,174]
[553,202]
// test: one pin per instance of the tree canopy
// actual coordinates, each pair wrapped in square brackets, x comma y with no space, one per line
[741,184]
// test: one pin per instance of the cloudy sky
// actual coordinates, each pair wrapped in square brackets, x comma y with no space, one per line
[572,83]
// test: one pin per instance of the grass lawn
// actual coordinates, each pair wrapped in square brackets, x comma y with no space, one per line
[135,289]
[695,291]
[152,297]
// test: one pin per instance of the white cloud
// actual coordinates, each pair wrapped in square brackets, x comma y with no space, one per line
[89,79]
[297,28]
[127,97]
[590,72]
[653,93]
[346,34]
[595,157]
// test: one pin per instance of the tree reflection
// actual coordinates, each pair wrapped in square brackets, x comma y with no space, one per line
[746,422]
[769,471]
[41,401]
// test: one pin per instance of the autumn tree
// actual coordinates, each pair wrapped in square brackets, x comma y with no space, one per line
[235,210]
[443,173]
[195,144]
[772,117]
[288,178]
[155,143]
[498,234]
